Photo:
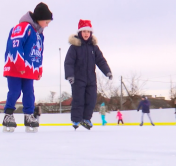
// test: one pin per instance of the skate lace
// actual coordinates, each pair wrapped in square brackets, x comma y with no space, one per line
[9,118]
[88,122]
[76,123]
[30,118]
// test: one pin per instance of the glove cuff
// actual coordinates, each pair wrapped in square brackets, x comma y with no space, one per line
[109,74]
[68,78]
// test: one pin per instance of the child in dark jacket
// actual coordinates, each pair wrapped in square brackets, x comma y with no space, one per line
[81,59]
[145,104]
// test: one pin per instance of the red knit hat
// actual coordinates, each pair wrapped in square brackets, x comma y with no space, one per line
[85,25]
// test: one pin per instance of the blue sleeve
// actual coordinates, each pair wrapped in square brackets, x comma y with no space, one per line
[149,103]
[40,65]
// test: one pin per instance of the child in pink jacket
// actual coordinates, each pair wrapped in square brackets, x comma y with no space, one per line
[119,116]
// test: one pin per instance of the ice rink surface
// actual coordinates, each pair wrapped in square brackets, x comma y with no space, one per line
[101,146]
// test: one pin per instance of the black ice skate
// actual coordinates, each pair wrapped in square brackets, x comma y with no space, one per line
[37,113]
[76,125]
[30,123]
[9,123]
[152,124]
[141,124]
[87,124]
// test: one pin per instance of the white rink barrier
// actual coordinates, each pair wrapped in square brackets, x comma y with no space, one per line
[132,117]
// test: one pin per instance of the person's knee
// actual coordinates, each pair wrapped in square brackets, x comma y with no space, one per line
[14,94]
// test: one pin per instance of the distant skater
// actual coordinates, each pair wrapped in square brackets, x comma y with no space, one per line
[145,104]
[119,116]
[103,113]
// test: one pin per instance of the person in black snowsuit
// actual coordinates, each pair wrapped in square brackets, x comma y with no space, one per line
[145,104]
[80,63]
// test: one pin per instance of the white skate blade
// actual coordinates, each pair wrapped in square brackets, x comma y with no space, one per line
[31,130]
[8,129]
[38,118]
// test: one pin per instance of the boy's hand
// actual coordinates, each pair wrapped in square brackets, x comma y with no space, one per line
[71,80]
[110,75]
[39,77]
[22,72]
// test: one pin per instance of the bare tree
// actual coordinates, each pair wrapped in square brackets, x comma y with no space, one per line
[64,96]
[107,92]
[49,107]
[52,96]
[104,86]
[136,84]
[172,90]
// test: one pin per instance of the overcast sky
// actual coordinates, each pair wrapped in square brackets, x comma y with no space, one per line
[135,36]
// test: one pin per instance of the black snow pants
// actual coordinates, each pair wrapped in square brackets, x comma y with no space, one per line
[84,100]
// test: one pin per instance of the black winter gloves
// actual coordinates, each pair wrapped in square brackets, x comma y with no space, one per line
[110,75]
[71,80]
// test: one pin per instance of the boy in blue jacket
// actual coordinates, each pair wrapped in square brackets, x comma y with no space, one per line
[23,64]
[145,104]
[81,59]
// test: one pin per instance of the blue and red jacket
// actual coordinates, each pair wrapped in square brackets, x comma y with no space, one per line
[24,52]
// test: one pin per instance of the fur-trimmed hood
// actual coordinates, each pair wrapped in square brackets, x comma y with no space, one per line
[74,40]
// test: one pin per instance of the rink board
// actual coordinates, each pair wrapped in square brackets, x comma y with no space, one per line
[108,124]
[130,118]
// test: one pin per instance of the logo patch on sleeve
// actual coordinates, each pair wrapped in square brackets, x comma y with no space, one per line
[16,30]
[20,30]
